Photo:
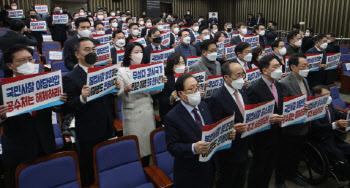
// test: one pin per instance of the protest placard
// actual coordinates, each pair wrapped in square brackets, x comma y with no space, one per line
[348,118]
[268,50]
[166,27]
[218,135]
[199,76]
[106,24]
[253,75]
[126,32]
[47,37]
[314,61]
[18,13]
[120,57]
[192,60]
[146,77]
[317,107]
[139,40]
[38,25]
[333,59]
[165,38]
[177,40]
[161,56]
[103,54]
[198,38]
[104,38]
[230,52]
[215,82]
[253,40]
[56,55]
[293,110]
[60,18]
[286,67]
[227,41]
[27,93]
[102,81]
[221,49]
[41,8]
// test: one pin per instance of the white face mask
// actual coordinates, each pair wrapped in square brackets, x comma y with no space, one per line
[123,19]
[304,73]
[61,11]
[27,68]
[115,24]
[324,45]
[100,17]
[262,33]
[148,24]
[194,98]
[187,40]
[329,41]
[176,30]
[206,37]
[277,74]
[100,32]
[118,12]
[307,34]
[212,56]
[160,27]
[248,57]
[282,51]
[84,33]
[137,58]
[298,43]
[135,32]
[188,13]
[14,7]
[195,28]
[112,14]
[237,84]
[81,14]
[120,43]
[215,30]
[142,22]
[89,13]
[329,100]
[180,69]
[244,31]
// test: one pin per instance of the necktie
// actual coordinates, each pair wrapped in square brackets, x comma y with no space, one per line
[274,92]
[197,117]
[329,118]
[239,103]
[282,60]
[157,47]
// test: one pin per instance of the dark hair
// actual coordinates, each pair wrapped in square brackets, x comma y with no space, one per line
[156,20]
[13,2]
[179,84]
[152,31]
[172,24]
[331,34]
[205,44]
[212,26]
[256,52]
[310,29]
[9,54]
[319,37]
[16,24]
[225,68]
[98,23]
[128,14]
[194,21]
[77,43]
[241,46]
[296,26]
[117,32]
[183,30]
[275,43]
[175,16]
[201,29]
[257,27]
[217,35]
[291,35]
[294,60]
[31,10]
[273,23]
[146,19]
[317,90]
[132,24]
[127,19]
[121,13]
[173,59]
[239,24]
[111,19]
[81,19]
[265,62]
[260,14]
[128,49]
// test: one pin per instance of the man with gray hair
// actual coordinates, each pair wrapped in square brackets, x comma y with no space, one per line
[228,30]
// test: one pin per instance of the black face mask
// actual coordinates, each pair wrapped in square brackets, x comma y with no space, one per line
[157,40]
[229,30]
[91,58]
[32,16]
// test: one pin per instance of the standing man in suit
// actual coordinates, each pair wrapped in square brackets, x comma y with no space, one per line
[58,31]
[265,144]
[174,30]
[156,38]
[36,34]
[228,30]
[308,40]
[271,33]
[294,41]
[93,119]
[244,56]
[333,47]
[205,35]
[293,137]
[83,26]
[118,37]
[195,29]
[319,77]
[183,132]
[29,135]
[279,50]
[260,20]
[226,101]
[185,47]
[250,20]
[260,30]
[134,32]
[207,62]
[242,29]
[213,30]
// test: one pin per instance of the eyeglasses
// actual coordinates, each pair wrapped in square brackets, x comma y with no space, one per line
[239,75]
[194,89]
[88,49]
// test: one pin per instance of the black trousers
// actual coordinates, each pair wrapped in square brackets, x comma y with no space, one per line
[330,76]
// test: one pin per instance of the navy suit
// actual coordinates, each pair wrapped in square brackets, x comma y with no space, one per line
[232,162]
[198,48]
[193,37]
[147,52]
[317,77]
[109,31]
[181,132]
[236,40]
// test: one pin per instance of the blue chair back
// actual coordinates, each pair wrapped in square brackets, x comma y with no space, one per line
[4,29]
[117,163]
[161,157]
[50,46]
[58,170]
[47,56]
[36,56]
[0,54]
[249,32]
[59,65]
[284,39]
[58,135]
[336,100]
[344,49]
[345,70]
[345,57]
[41,69]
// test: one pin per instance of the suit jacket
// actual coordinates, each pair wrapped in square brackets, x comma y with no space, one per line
[293,89]
[223,105]
[164,98]
[181,131]
[69,55]
[181,50]
[260,22]
[193,37]
[270,36]
[147,52]
[200,66]
[236,40]
[308,42]
[172,39]
[109,31]
[58,31]
[144,32]
[333,47]
[198,48]
[292,51]
[317,77]
[251,21]
[114,55]
[128,39]
[36,34]
[262,41]
[93,120]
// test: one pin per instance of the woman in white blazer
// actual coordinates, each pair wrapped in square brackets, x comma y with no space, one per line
[137,109]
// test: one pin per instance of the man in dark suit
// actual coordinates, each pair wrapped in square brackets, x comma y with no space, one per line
[205,35]
[213,29]
[185,47]
[58,31]
[226,101]
[118,37]
[84,30]
[260,30]
[36,34]
[294,41]
[156,38]
[265,144]
[113,22]
[251,20]
[244,55]
[242,29]
[271,33]
[93,120]
[308,40]
[134,32]
[28,135]
[333,47]
[260,20]
[148,24]
[195,29]
[174,30]
[319,77]
[293,137]
[279,50]
[13,37]
[183,132]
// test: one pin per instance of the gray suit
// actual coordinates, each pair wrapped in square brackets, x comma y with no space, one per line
[181,50]
[199,66]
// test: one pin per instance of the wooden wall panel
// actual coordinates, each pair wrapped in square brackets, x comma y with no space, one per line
[135,6]
[197,7]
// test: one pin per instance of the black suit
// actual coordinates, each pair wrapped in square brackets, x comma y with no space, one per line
[93,120]
[198,48]
[147,52]
[236,40]
[308,43]
[266,143]
[69,55]
[36,34]
[164,98]
[317,77]
[58,31]
[292,51]
[114,55]
[251,21]
[333,47]
[172,40]
[259,22]
[233,161]
[144,32]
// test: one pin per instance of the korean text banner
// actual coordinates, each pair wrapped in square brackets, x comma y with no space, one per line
[60,18]
[199,76]
[161,56]
[332,60]
[104,38]
[140,40]
[41,8]
[221,49]
[38,25]
[253,40]
[165,38]
[102,81]
[192,60]
[215,82]
[293,110]
[177,40]
[317,107]
[287,68]
[348,118]
[253,75]
[257,117]
[15,13]
[268,50]
[120,57]
[230,52]
[146,77]
[27,93]
[314,61]
[103,54]
[218,135]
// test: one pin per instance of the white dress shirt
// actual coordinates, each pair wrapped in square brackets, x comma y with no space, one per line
[232,93]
